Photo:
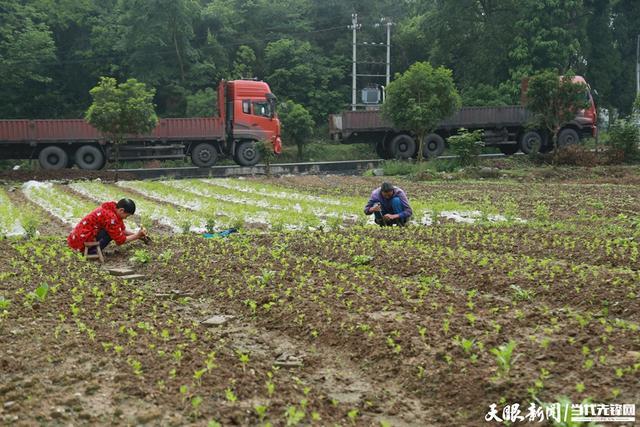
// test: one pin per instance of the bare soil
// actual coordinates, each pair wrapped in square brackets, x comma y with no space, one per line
[350,327]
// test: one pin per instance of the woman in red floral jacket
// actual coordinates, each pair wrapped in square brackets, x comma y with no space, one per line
[104,224]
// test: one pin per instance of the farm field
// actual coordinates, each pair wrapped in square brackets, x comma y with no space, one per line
[499,292]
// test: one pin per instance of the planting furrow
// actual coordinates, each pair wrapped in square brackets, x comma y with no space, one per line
[293,206]
[56,202]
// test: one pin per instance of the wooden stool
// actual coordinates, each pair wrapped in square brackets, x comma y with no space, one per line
[98,254]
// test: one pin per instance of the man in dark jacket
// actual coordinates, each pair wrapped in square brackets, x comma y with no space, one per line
[390,206]
[105,223]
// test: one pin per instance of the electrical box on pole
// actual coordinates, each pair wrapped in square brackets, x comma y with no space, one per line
[372,94]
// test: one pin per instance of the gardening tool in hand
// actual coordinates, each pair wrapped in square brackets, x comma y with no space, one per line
[145,238]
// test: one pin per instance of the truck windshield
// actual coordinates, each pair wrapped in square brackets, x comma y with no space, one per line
[262,108]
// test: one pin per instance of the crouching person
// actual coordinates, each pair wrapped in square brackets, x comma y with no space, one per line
[390,206]
[104,224]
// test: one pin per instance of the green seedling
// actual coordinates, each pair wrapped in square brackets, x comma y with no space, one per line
[362,260]
[140,256]
[504,357]
[4,303]
[230,395]
[520,294]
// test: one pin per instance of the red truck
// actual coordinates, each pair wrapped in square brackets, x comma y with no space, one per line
[247,114]
[504,127]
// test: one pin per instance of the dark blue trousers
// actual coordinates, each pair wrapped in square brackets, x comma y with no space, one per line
[396,207]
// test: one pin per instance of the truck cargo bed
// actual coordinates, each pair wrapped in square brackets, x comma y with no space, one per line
[472,117]
[77,130]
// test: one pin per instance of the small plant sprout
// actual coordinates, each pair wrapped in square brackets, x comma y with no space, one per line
[294,415]
[196,401]
[504,357]
[243,358]
[185,225]
[184,389]
[166,256]
[261,411]
[140,256]
[4,303]
[230,395]
[362,259]
[352,415]
[136,366]
[30,222]
[520,294]
[467,345]
[210,224]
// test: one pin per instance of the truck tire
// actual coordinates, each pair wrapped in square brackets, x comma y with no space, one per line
[402,147]
[247,154]
[568,137]
[53,157]
[508,149]
[530,142]
[433,146]
[89,157]
[204,155]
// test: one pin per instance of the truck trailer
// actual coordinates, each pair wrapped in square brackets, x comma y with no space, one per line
[507,128]
[247,114]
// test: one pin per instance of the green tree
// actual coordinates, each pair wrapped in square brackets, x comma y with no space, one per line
[624,21]
[420,98]
[554,100]
[26,48]
[122,109]
[244,63]
[297,71]
[604,61]
[297,125]
[484,95]
[203,103]
[547,35]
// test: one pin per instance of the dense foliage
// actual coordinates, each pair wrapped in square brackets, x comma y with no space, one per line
[52,52]
[555,99]
[420,98]
[297,125]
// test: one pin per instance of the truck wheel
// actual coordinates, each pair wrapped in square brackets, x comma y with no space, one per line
[530,142]
[567,137]
[247,154]
[89,157]
[204,155]
[509,149]
[433,146]
[402,147]
[53,157]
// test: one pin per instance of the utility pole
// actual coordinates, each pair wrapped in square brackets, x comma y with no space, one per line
[387,23]
[354,95]
[638,66]
[355,26]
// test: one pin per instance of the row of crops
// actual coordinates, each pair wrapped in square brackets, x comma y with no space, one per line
[198,205]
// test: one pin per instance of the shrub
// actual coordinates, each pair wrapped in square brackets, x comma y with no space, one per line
[467,145]
[266,154]
[420,171]
[624,137]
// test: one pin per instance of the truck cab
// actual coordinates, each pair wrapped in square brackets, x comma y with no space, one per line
[248,109]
